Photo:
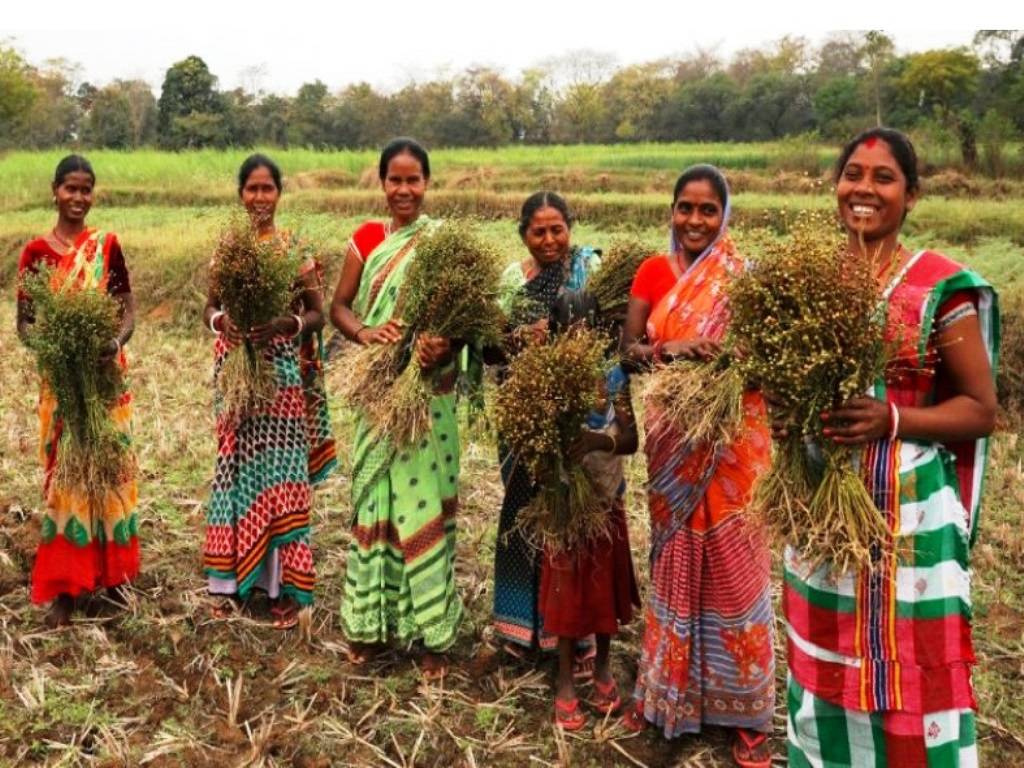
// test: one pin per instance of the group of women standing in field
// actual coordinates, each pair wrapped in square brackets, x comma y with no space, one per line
[879,660]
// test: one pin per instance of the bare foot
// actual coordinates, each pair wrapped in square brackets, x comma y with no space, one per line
[434,666]
[59,614]
[362,653]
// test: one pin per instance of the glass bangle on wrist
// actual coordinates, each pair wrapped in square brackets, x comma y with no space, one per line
[298,319]
[894,421]
[213,320]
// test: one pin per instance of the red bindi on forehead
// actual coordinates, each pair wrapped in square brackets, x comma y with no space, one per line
[870,142]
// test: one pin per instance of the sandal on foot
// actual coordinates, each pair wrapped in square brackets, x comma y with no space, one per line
[284,616]
[568,715]
[224,609]
[634,720]
[606,699]
[748,741]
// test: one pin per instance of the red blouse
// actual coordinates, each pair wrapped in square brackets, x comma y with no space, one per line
[40,250]
[654,278]
[369,235]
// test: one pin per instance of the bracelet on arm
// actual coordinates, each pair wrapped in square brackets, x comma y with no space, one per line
[355,336]
[615,444]
[894,421]
[301,325]
[656,353]
[214,318]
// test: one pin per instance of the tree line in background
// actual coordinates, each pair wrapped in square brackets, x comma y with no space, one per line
[970,99]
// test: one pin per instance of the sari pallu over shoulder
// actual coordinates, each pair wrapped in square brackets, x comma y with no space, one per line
[84,545]
[707,651]
[400,574]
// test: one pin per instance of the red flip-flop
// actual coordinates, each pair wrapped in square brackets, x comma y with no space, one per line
[568,715]
[750,740]
[285,616]
[607,700]
[634,720]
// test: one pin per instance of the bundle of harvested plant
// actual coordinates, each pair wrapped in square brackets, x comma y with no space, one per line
[810,321]
[702,401]
[540,411]
[612,281]
[255,280]
[72,328]
[451,290]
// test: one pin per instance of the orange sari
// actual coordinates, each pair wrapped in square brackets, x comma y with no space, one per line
[84,544]
[707,651]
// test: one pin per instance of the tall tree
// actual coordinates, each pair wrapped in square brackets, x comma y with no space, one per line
[946,81]
[878,51]
[308,116]
[17,94]
[122,116]
[189,106]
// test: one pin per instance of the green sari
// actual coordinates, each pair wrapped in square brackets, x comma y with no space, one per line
[400,579]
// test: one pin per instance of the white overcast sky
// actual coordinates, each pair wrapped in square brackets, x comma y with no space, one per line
[279,45]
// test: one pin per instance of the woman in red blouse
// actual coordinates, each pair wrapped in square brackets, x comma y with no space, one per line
[86,543]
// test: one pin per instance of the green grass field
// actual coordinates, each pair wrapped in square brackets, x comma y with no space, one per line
[162,684]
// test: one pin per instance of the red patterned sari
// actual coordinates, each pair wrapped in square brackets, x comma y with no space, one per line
[707,651]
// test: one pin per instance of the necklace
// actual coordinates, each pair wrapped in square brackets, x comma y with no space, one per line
[59,239]
[886,267]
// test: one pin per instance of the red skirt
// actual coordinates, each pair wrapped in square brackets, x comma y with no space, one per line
[590,592]
[63,568]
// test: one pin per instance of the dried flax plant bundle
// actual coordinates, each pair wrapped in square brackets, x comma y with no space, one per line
[72,327]
[451,290]
[701,400]
[256,282]
[540,410]
[612,281]
[810,321]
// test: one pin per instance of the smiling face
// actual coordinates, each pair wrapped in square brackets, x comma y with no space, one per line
[696,217]
[404,188]
[872,193]
[74,196]
[260,195]
[547,236]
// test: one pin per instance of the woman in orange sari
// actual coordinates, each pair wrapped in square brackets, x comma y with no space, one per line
[86,543]
[707,650]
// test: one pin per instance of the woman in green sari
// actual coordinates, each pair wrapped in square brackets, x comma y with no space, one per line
[400,579]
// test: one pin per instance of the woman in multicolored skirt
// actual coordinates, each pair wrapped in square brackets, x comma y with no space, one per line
[257,521]
[880,660]
[86,543]
[707,650]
